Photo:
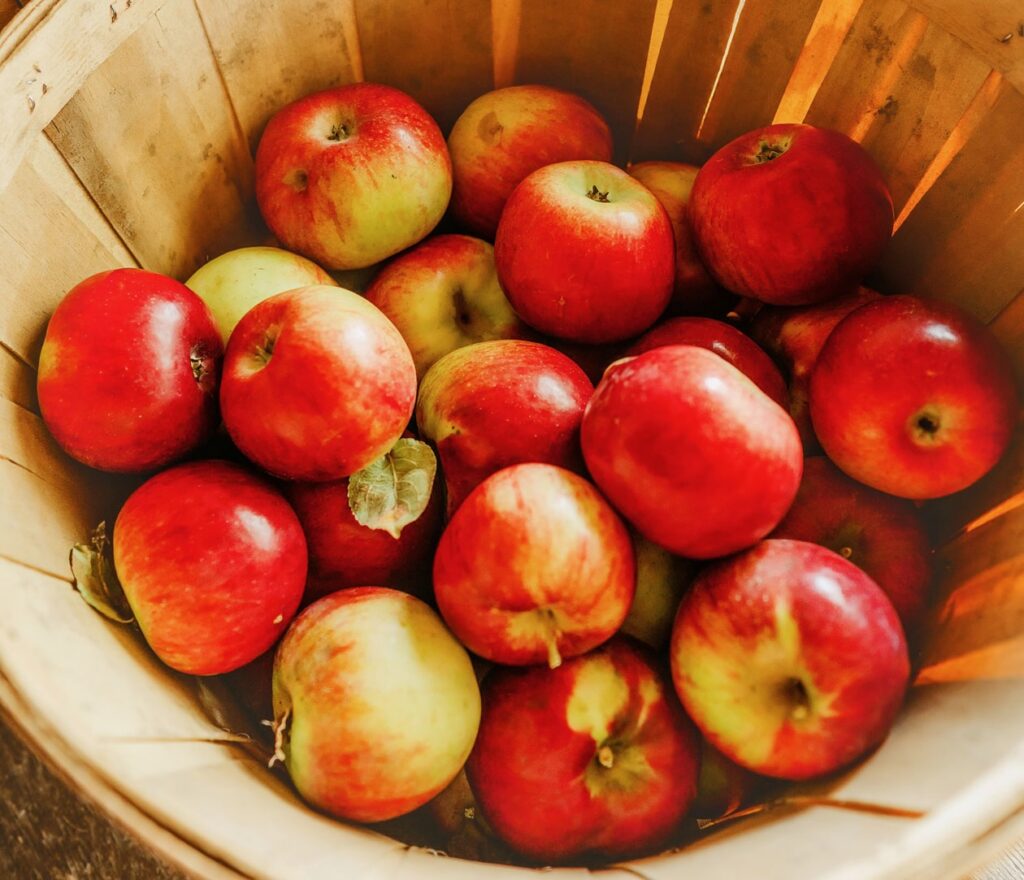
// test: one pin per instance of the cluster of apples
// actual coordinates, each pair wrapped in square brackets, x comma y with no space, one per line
[577,534]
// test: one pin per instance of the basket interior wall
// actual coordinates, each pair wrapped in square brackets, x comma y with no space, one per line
[135,148]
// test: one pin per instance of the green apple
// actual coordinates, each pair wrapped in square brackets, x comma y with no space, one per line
[661,580]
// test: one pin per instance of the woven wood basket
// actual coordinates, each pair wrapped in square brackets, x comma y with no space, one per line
[127,139]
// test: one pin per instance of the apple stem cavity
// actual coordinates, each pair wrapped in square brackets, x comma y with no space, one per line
[846,552]
[597,195]
[796,694]
[925,425]
[767,151]
[265,350]
[339,132]
[606,757]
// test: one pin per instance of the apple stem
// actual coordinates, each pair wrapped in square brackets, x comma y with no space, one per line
[280,727]
[597,195]
[551,634]
[606,757]
[846,552]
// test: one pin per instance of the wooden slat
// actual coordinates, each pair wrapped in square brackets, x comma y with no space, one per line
[175,180]
[1008,327]
[694,42]
[439,51]
[983,25]
[17,381]
[275,52]
[596,48]
[765,46]
[964,241]
[51,237]
[8,9]
[899,85]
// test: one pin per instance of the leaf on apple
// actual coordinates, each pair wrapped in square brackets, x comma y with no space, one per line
[93,575]
[393,491]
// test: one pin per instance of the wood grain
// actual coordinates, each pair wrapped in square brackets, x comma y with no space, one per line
[200,204]
[439,51]
[273,53]
[8,9]
[597,48]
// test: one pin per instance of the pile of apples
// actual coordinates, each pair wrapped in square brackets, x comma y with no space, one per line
[623,576]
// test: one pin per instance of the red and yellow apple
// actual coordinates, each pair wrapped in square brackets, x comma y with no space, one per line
[690,451]
[317,384]
[585,253]
[444,294]
[351,175]
[128,371]
[504,135]
[212,561]
[791,214]
[790,660]
[376,705]
[533,567]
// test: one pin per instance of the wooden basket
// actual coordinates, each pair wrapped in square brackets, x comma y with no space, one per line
[127,139]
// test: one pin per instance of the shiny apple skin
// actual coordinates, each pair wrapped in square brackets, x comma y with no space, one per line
[800,228]
[879,533]
[494,404]
[129,371]
[333,392]
[790,660]
[794,336]
[382,703]
[353,197]
[212,560]
[344,553]
[536,767]
[444,294]
[724,340]
[505,135]
[580,268]
[690,451]
[913,397]
[695,291]
[534,554]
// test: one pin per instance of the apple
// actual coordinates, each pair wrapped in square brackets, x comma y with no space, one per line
[722,785]
[695,291]
[353,174]
[534,566]
[345,553]
[725,341]
[690,451]
[128,371]
[494,404]
[317,384]
[661,579]
[794,336]
[913,397]
[790,214]
[881,534]
[585,253]
[212,561]
[594,759]
[444,294]
[504,135]
[375,704]
[234,282]
[790,660]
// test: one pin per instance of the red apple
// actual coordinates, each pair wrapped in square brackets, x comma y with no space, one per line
[376,705]
[594,759]
[790,659]
[128,371]
[794,336]
[690,451]
[791,214]
[444,294]
[317,384]
[213,562]
[344,553]
[504,135]
[695,291]
[352,175]
[495,404]
[883,535]
[725,341]
[585,252]
[913,397]
[533,567]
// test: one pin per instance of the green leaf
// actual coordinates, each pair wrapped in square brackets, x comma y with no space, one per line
[92,570]
[394,490]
